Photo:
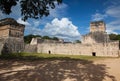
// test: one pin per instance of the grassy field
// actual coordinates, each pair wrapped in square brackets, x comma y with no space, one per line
[38,56]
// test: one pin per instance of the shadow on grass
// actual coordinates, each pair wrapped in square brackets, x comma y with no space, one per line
[32,68]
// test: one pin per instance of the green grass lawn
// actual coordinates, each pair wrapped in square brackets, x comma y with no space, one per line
[38,56]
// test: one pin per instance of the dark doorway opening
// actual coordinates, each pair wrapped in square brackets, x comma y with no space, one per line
[49,52]
[93,53]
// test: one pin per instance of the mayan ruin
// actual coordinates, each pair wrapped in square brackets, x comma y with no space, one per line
[95,43]
[11,36]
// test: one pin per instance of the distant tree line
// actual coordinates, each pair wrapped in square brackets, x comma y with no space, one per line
[28,38]
[114,36]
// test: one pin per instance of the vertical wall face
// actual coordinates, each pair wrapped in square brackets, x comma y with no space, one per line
[16,31]
[68,49]
[12,45]
[108,49]
[97,34]
[98,26]
[4,31]
[11,36]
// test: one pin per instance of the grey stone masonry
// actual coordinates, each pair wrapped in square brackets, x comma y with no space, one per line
[11,36]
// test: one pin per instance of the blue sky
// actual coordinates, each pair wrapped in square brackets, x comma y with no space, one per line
[72,18]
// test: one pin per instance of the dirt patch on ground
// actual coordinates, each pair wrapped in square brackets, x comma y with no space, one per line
[59,70]
[113,67]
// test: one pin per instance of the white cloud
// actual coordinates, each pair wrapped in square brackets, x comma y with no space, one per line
[113,11]
[59,11]
[98,16]
[113,26]
[32,30]
[111,32]
[1,15]
[22,22]
[33,27]
[63,28]
[16,12]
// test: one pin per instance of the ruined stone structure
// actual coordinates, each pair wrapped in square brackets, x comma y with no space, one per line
[95,43]
[97,34]
[39,40]
[98,26]
[11,36]
[108,49]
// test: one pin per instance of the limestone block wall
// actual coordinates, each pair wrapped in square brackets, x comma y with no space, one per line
[1,45]
[69,49]
[12,45]
[4,31]
[30,48]
[96,37]
[107,49]
[100,49]
[97,26]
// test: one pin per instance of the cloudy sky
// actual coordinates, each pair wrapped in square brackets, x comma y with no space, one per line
[71,19]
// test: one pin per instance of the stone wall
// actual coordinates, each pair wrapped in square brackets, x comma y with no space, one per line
[30,48]
[101,49]
[1,44]
[95,37]
[11,36]
[95,43]
[4,31]
[97,26]
[11,45]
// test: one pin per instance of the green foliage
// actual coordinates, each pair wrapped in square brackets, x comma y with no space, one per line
[55,38]
[39,56]
[46,37]
[50,38]
[29,8]
[5,5]
[78,41]
[28,38]
[114,36]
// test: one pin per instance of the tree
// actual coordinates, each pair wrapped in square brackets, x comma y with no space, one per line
[78,41]
[29,8]
[55,38]
[28,38]
[114,36]
[46,37]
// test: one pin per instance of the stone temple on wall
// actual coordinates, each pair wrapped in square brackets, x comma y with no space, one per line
[95,43]
[97,34]
[11,36]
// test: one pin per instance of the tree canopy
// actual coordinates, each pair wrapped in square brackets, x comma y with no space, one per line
[29,8]
[114,36]
[28,38]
